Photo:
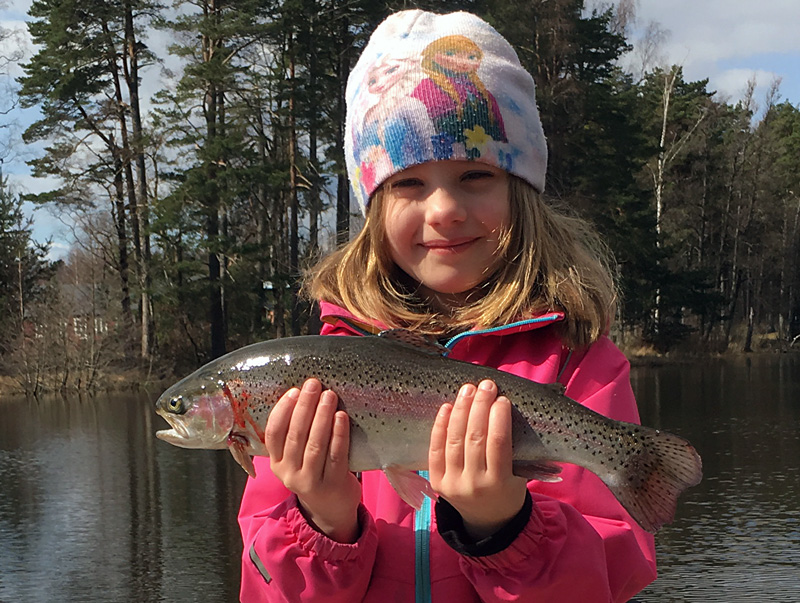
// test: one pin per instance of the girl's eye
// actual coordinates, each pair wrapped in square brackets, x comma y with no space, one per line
[476,175]
[406,183]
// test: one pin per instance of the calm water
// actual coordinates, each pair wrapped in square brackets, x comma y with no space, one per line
[737,535]
[94,508]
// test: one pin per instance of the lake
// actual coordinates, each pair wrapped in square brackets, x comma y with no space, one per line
[94,508]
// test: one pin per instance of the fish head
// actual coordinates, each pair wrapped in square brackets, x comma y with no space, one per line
[199,412]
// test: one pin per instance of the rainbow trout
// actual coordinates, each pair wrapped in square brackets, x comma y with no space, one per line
[392,386]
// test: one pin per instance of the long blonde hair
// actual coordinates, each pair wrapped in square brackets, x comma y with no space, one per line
[553,261]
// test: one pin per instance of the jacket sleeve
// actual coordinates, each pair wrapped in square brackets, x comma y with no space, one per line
[579,543]
[286,560]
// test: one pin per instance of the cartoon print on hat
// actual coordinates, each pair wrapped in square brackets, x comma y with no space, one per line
[463,111]
[431,87]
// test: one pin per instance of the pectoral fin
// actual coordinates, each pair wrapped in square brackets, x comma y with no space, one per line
[410,486]
[238,447]
[542,471]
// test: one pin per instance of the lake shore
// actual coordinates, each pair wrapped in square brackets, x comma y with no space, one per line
[154,381]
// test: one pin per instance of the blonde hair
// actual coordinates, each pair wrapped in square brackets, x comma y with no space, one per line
[553,261]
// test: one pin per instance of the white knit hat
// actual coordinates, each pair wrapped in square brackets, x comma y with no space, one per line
[432,87]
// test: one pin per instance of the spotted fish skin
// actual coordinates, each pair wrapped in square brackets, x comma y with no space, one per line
[392,387]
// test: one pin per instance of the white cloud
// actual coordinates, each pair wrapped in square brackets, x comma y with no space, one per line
[715,29]
[728,41]
[733,83]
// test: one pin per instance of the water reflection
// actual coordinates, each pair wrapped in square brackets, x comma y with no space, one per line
[737,536]
[93,508]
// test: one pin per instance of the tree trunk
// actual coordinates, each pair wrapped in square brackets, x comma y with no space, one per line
[294,207]
[122,250]
[216,315]
[342,185]
[131,70]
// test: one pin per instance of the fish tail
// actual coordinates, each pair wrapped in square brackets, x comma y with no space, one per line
[660,467]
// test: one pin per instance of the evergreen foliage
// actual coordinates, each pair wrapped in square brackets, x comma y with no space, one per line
[231,177]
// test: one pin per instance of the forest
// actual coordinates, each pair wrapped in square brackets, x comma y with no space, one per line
[197,149]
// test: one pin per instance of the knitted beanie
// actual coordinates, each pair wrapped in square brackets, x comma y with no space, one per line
[433,87]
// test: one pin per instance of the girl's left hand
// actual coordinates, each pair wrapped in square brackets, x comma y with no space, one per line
[470,459]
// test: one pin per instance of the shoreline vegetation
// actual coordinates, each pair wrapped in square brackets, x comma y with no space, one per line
[153,380]
[193,215]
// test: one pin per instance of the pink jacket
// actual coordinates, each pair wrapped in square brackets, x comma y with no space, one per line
[579,544]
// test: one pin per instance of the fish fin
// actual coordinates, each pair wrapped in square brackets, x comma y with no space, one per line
[410,486]
[542,471]
[657,471]
[238,447]
[414,340]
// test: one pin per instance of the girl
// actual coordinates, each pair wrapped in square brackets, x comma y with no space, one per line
[459,246]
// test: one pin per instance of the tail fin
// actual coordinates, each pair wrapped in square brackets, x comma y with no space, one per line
[659,469]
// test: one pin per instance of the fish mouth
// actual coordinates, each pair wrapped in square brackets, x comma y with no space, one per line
[180,433]
[203,420]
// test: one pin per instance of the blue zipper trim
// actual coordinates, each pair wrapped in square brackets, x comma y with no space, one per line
[531,321]
[422,546]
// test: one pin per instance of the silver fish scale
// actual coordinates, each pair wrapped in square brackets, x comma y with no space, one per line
[386,386]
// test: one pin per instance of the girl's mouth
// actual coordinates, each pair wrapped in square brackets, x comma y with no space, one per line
[449,246]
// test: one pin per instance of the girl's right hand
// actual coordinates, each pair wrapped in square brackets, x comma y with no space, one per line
[308,442]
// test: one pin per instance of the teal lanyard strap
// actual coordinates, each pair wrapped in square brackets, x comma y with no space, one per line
[422,540]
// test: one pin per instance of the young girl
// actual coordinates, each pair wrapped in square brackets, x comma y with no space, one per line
[458,245]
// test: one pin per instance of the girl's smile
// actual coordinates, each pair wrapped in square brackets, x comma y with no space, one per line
[444,221]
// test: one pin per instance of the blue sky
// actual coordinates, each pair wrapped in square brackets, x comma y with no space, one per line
[727,41]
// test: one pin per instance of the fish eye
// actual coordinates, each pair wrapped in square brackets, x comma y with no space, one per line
[176,405]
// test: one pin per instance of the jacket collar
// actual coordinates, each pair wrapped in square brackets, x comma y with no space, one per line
[335,315]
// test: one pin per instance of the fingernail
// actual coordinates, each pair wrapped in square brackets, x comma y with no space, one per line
[293,393]
[312,385]
[486,385]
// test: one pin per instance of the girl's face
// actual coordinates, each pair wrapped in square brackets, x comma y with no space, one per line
[458,61]
[443,222]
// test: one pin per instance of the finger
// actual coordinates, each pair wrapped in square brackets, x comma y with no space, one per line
[438,446]
[339,455]
[457,427]
[499,448]
[300,424]
[478,426]
[278,424]
[315,455]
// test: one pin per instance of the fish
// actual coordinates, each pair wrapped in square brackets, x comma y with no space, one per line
[392,386]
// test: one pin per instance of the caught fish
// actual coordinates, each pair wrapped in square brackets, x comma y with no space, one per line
[392,386]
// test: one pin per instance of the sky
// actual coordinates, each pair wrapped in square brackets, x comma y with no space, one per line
[729,42]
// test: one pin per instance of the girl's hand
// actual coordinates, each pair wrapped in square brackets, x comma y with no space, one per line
[470,459]
[308,442]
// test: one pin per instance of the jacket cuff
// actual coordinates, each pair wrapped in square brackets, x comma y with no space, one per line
[312,540]
[451,528]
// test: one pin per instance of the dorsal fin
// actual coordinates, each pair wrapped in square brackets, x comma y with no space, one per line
[414,340]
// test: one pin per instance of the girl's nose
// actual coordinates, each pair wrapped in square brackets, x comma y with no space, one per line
[443,207]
